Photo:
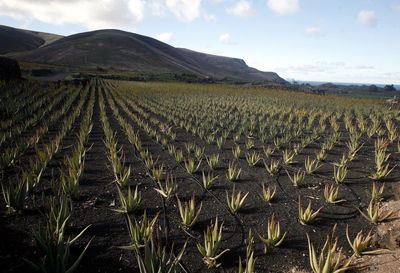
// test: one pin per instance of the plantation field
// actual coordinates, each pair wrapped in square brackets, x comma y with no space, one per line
[157,169]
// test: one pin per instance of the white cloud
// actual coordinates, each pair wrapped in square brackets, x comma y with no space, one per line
[242,9]
[397,8]
[225,38]
[364,67]
[367,17]
[313,31]
[90,13]
[156,7]
[210,17]
[164,37]
[317,67]
[185,10]
[284,6]
[337,71]
[95,14]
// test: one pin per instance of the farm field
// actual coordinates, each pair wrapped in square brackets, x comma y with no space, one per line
[134,169]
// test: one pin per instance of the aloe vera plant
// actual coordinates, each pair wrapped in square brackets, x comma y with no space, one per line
[297,178]
[273,167]
[190,147]
[211,246]
[157,172]
[361,243]
[191,166]
[169,188]
[311,165]
[56,246]
[233,172]
[342,162]
[212,161]
[150,162]
[331,259]
[157,259]
[250,264]
[331,194]
[236,152]
[15,195]
[274,236]
[339,173]
[321,155]
[375,213]
[268,151]
[376,193]
[220,142]
[129,202]
[249,143]
[253,158]
[307,215]
[209,180]
[288,157]
[267,193]
[188,212]
[236,200]
[179,155]
[381,173]
[140,232]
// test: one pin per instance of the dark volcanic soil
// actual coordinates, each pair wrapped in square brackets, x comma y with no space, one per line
[98,196]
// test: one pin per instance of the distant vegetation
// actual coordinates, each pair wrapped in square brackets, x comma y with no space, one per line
[348,90]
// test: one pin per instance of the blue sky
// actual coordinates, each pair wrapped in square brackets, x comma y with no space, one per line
[314,40]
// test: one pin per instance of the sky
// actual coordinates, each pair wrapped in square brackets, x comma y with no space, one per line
[303,40]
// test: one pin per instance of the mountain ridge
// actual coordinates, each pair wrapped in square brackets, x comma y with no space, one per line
[117,50]
[16,39]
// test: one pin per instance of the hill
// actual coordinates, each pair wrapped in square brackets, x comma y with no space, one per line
[116,50]
[16,40]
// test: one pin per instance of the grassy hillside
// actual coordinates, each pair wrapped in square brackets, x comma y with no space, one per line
[116,50]
[16,40]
